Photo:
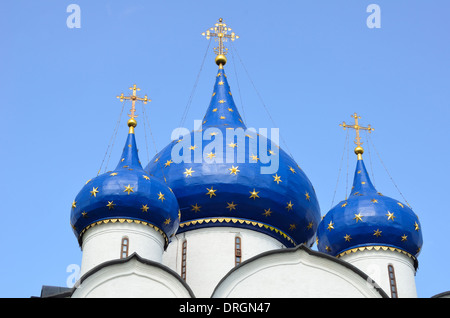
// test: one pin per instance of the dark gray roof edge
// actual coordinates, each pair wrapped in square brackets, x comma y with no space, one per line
[310,252]
[443,294]
[69,292]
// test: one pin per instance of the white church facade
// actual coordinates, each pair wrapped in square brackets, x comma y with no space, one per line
[221,227]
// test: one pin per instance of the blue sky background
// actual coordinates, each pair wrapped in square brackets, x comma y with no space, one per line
[313,62]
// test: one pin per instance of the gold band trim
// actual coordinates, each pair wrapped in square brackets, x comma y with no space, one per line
[122,220]
[376,248]
[239,221]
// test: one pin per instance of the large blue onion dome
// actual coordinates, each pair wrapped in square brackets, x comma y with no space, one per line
[232,176]
[127,194]
[367,220]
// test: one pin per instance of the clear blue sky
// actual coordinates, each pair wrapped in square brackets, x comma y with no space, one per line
[313,62]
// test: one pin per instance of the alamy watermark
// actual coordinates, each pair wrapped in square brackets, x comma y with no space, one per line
[238,145]
[74,19]
[374,19]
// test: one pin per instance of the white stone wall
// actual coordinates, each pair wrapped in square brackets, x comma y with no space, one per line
[132,279]
[103,242]
[211,254]
[295,273]
[375,264]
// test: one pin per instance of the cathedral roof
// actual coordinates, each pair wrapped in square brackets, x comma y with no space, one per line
[368,219]
[126,194]
[220,179]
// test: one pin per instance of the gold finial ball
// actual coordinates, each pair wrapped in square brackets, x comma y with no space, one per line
[359,150]
[132,122]
[221,59]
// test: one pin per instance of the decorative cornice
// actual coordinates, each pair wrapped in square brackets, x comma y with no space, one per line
[122,220]
[376,248]
[237,221]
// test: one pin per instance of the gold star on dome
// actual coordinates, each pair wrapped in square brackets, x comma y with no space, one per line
[84,214]
[110,205]
[196,208]
[222,117]
[94,192]
[277,178]
[214,110]
[231,206]
[289,206]
[167,163]
[310,225]
[128,189]
[144,208]
[188,172]
[211,192]
[113,174]
[234,170]
[254,194]
[307,196]
[377,232]
[230,110]
[292,169]
[347,238]
[390,216]
[74,204]
[167,221]
[330,226]
[404,238]
[327,248]
[400,204]
[358,217]
[146,177]
[221,82]
[416,226]
[292,227]
[211,155]
[374,201]
[161,196]
[88,181]
[344,204]
[267,212]
[255,158]
[222,101]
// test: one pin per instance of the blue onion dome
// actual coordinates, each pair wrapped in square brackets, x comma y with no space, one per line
[227,175]
[368,219]
[127,194]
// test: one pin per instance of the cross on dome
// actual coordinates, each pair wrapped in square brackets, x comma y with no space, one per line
[220,32]
[358,150]
[132,122]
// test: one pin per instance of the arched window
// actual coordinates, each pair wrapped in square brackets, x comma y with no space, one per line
[237,250]
[183,260]
[392,282]
[124,247]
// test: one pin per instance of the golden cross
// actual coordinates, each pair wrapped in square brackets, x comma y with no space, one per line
[133,99]
[220,32]
[358,150]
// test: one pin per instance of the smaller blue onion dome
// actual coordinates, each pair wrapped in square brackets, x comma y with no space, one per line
[369,219]
[127,194]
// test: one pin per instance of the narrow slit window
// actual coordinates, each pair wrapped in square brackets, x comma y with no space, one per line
[124,247]
[392,281]
[237,250]
[183,260]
